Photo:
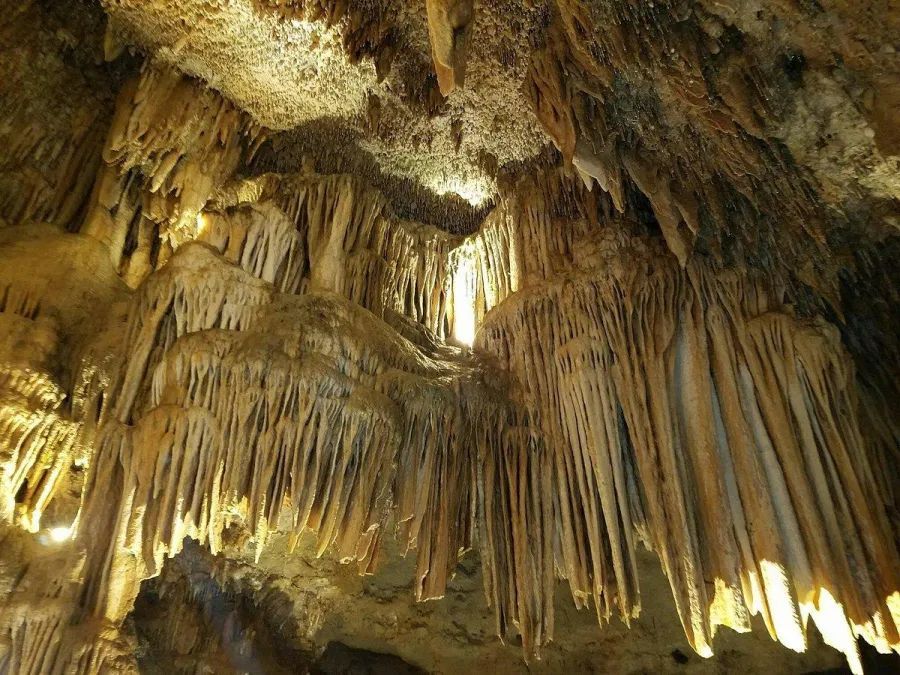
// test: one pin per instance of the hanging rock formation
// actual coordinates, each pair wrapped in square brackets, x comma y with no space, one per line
[449,23]
[248,336]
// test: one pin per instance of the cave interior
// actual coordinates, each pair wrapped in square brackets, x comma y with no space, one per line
[406,336]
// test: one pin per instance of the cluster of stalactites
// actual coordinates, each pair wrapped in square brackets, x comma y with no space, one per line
[37,445]
[239,405]
[173,148]
[27,196]
[667,403]
[171,144]
[38,440]
[683,407]
[735,421]
[603,85]
[261,240]
[332,232]
[345,241]
[366,30]
[52,123]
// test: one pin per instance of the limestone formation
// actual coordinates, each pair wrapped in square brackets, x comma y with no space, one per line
[519,290]
[449,24]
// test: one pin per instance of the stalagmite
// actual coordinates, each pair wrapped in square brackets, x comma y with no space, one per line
[630,292]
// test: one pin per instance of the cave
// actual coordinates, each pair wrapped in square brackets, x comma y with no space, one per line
[438,336]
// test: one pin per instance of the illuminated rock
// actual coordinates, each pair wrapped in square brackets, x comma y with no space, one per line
[279,294]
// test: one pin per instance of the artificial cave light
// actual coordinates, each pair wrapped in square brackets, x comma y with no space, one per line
[60,534]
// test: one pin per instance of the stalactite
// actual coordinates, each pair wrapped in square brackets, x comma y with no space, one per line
[516,508]
[729,401]
[171,144]
[449,25]
[193,349]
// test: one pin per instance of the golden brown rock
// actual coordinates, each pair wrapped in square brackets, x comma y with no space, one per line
[215,327]
[449,24]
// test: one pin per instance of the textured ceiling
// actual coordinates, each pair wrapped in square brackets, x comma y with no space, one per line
[287,70]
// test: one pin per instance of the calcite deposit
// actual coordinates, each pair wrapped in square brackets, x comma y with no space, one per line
[342,335]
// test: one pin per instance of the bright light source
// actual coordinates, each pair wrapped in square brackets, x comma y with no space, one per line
[60,534]
[475,191]
[202,223]
[464,290]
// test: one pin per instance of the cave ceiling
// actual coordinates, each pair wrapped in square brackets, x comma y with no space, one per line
[361,71]
[748,84]
[416,324]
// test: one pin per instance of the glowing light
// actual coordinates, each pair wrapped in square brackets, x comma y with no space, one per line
[464,285]
[782,607]
[202,223]
[473,190]
[60,534]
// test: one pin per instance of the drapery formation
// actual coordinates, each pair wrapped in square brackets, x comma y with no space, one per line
[739,422]
[688,408]
[170,145]
[336,398]
[232,403]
